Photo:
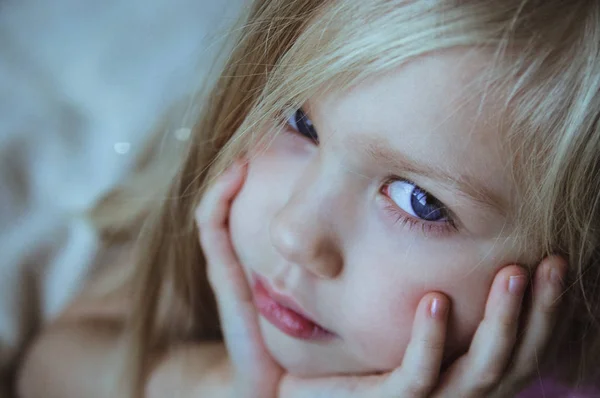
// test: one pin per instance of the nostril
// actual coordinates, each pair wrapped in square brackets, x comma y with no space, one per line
[331,264]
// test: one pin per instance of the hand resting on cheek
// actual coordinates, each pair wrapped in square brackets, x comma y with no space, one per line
[502,338]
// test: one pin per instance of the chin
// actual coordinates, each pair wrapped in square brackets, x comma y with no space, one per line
[309,359]
[302,371]
[295,365]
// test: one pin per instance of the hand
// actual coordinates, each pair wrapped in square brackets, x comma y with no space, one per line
[483,371]
[489,369]
[255,373]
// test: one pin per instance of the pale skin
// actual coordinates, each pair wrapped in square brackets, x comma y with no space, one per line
[481,372]
[476,316]
[312,219]
[327,214]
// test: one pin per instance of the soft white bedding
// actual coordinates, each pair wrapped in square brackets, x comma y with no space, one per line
[81,84]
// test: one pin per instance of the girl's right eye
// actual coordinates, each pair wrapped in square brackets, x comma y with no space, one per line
[300,123]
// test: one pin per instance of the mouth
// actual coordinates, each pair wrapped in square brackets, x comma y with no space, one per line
[286,314]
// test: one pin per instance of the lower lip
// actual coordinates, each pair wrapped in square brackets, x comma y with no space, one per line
[285,319]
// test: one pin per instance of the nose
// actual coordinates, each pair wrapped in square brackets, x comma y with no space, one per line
[303,232]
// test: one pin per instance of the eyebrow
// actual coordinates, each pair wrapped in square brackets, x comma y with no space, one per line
[467,185]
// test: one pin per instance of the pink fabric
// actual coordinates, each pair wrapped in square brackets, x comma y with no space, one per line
[546,388]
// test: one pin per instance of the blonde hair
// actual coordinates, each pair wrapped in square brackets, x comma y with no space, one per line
[545,60]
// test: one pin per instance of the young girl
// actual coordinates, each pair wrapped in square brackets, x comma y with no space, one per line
[358,214]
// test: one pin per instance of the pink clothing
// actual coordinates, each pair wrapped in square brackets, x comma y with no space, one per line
[546,388]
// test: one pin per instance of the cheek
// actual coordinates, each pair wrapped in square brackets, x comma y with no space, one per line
[381,304]
[267,186]
[378,319]
[251,207]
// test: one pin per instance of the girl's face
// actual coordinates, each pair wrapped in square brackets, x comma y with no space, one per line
[406,192]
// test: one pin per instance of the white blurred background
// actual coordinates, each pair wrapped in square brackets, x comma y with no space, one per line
[82,83]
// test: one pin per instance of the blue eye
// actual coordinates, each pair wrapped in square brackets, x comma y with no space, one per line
[302,124]
[416,201]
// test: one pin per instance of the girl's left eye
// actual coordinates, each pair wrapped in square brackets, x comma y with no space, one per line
[300,123]
[415,201]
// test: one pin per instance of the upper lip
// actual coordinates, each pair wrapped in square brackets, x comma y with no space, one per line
[285,300]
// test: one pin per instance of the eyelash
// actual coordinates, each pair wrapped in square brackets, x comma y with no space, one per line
[435,228]
[439,228]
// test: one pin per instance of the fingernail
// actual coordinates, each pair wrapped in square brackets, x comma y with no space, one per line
[437,308]
[516,284]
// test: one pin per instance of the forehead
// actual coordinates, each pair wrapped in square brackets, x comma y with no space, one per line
[432,110]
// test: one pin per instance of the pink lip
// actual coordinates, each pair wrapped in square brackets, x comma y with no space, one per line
[285,313]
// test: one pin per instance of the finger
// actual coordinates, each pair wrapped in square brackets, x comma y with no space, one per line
[212,216]
[481,368]
[422,360]
[233,295]
[239,319]
[547,292]
[415,378]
